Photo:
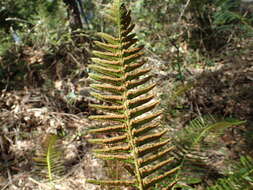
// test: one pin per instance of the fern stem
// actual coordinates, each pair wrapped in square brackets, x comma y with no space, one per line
[126,107]
[49,162]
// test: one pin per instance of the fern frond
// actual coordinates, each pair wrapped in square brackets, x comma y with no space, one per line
[122,84]
[200,128]
[191,145]
[242,177]
[227,17]
[49,161]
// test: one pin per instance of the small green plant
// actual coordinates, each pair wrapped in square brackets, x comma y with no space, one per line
[121,84]
[49,161]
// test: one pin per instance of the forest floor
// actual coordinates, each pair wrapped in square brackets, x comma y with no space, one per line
[31,109]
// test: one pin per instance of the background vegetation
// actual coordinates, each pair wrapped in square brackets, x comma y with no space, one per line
[201,55]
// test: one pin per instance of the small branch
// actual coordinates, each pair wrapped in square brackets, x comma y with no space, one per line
[184,9]
[17,19]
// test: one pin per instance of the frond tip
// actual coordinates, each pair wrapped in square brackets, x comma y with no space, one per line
[122,84]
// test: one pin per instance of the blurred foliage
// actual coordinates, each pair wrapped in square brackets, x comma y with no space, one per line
[35,46]
[203,24]
[239,178]
[22,10]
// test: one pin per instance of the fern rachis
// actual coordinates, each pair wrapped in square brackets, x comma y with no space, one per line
[121,82]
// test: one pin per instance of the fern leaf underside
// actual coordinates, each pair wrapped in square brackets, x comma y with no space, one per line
[121,83]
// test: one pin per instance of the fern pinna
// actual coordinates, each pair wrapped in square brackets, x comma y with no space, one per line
[120,82]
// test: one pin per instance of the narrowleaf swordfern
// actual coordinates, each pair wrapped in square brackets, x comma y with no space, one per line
[121,83]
